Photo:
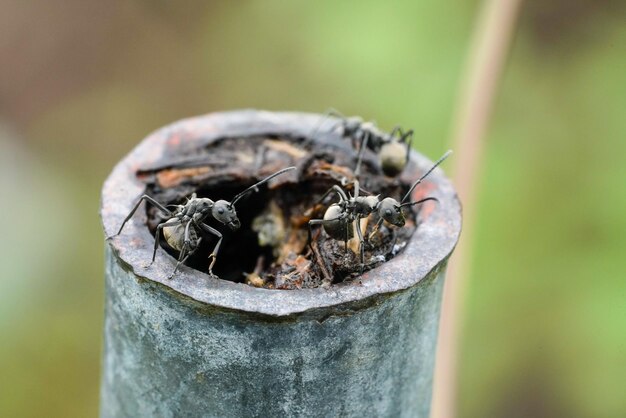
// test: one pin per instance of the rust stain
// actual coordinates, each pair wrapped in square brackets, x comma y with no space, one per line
[173,140]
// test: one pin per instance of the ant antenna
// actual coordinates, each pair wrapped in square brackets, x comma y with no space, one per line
[419,201]
[359,158]
[380,221]
[439,161]
[255,187]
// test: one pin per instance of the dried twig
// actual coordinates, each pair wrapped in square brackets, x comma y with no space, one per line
[328,279]
[487,56]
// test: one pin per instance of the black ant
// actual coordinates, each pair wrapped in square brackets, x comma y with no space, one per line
[339,217]
[393,149]
[183,227]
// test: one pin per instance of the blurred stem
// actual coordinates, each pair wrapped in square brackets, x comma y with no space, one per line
[491,41]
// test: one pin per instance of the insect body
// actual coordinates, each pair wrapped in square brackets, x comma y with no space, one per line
[183,228]
[175,237]
[339,217]
[392,148]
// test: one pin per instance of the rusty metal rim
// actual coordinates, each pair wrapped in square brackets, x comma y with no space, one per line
[427,250]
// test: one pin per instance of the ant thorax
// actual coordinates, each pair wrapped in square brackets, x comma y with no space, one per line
[197,208]
[364,205]
[352,124]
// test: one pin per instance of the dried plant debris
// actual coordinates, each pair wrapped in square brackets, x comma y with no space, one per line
[271,248]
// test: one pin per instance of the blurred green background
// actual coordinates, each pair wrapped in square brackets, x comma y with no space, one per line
[82,81]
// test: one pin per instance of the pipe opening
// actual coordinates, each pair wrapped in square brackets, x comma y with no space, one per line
[270,249]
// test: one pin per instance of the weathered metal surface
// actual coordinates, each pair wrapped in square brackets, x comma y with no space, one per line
[199,346]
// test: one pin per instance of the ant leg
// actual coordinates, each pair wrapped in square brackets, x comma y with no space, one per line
[186,242]
[346,236]
[336,189]
[157,235]
[218,234]
[378,224]
[181,259]
[334,112]
[327,114]
[311,223]
[359,158]
[396,130]
[132,212]
[361,243]
[409,135]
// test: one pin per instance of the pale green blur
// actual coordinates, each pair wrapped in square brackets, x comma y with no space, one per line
[81,84]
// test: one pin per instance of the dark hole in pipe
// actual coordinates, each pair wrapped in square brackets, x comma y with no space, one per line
[240,249]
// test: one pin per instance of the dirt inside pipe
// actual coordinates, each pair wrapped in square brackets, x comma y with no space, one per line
[271,249]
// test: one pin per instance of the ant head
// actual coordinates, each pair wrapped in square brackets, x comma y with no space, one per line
[224,212]
[390,210]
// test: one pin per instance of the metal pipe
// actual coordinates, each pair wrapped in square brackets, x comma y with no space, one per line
[199,346]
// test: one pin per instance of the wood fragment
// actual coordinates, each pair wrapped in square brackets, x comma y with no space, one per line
[285,147]
[254,278]
[173,177]
[328,278]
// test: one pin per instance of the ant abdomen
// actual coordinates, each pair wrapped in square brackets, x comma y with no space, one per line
[175,237]
[393,158]
[335,225]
